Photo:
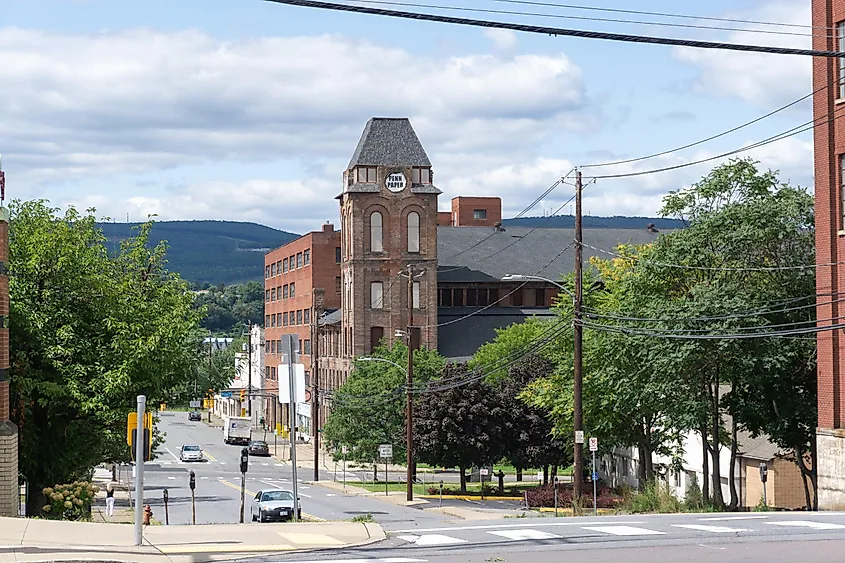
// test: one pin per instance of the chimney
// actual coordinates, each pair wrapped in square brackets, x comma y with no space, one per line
[328,227]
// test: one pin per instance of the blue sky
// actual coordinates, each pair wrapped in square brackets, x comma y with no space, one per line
[249,110]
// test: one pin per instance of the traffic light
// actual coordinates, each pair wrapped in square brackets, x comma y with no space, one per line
[146,433]
[244,459]
[243,394]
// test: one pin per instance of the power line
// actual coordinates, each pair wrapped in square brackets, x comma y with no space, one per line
[804,127]
[565,32]
[579,18]
[663,14]
[741,336]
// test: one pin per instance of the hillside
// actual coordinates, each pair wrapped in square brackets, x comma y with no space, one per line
[618,222]
[212,252]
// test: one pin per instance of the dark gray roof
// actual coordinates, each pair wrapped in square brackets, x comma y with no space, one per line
[388,141]
[459,340]
[331,318]
[479,254]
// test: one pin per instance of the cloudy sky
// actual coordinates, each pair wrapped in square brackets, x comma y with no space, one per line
[249,110]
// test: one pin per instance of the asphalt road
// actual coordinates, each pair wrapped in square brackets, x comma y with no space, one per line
[693,538]
[218,483]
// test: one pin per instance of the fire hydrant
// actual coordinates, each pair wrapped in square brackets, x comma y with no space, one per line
[148,514]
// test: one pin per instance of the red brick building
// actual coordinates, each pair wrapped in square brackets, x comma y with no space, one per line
[293,276]
[828,100]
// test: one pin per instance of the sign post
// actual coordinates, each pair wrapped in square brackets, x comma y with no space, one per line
[385,451]
[594,446]
[140,454]
[482,473]
[344,450]
[244,464]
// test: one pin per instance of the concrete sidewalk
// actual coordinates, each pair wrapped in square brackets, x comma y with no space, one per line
[31,540]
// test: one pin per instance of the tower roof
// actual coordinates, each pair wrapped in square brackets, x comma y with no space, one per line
[389,141]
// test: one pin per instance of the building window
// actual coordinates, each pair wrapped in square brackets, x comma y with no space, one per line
[266,272]
[516,298]
[458,298]
[479,214]
[306,316]
[337,285]
[413,231]
[285,265]
[272,269]
[421,175]
[472,297]
[415,291]
[266,320]
[266,295]
[273,294]
[279,267]
[840,36]
[445,297]
[292,260]
[284,319]
[376,232]
[272,346]
[306,346]
[299,317]
[366,174]
[337,255]
[298,259]
[285,291]
[376,334]
[377,295]
[306,257]
[292,290]
[272,319]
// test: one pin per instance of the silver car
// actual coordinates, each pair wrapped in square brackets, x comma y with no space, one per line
[274,505]
[191,453]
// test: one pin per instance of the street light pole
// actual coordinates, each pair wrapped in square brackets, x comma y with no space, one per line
[578,473]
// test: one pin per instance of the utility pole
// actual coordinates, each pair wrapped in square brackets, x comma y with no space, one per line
[578,473]
[249,370]
[409,423]
[315,376]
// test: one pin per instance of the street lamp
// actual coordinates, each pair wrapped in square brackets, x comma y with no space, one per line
[409,431]
[577,372]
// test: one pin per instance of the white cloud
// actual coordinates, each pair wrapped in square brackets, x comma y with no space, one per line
[503,39]
[765,80]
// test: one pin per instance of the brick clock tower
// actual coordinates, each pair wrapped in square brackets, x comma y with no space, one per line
[388,212]
[9,489]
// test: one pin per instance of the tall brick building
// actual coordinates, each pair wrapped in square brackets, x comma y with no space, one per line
[389,220]
[9,490]
[829,87]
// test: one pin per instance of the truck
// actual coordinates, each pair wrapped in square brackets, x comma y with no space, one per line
[237,430]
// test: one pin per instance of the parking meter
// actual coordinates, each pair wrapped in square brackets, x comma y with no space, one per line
[193,481]
[764,472]
[244,459]
[166,495]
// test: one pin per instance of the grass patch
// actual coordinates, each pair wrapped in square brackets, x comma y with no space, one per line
[363,518]
[514,490]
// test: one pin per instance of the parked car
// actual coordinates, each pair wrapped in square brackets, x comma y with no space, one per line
[194,416]
[191,452]
[259,447]
[273,505]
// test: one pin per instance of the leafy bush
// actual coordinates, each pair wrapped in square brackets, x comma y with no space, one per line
[363,518]
[543,497]
[69,502]
[694,499]
[654,497]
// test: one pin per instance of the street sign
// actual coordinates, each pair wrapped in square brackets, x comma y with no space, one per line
[579,436]
[344,450]
[195,404]
[594,444]
[226,394]
[484,472]
[595,475]
[385,451]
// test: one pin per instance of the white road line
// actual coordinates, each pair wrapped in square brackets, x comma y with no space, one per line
[222,463]
[203,477]
[331,495]
[176,457]
[504,526]
[714,529]
[278,465]
[623,530]
[265,464]
[525,534]
[432,540]
[719,518]
[386,560]
[809,524]
[172,478]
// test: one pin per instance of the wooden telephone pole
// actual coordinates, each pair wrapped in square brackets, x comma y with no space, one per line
[578,475]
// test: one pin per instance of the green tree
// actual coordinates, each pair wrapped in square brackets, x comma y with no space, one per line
[90,333]
[230,308]
[369,409]
[460,424]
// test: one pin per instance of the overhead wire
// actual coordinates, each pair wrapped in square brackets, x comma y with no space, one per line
[576,18]
[731,336]
[559,31]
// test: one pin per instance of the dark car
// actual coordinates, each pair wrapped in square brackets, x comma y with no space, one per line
[259,447]
[194,416]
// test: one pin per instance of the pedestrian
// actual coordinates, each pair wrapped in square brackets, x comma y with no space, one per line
[110,500]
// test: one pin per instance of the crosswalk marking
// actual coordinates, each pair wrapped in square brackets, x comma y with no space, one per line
[383,560]
[623,530]
[713,519]
[706,528]
[524,534]
[809,524]
[432,539]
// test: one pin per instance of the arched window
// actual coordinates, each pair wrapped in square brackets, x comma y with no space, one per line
[413,231]
[376,232]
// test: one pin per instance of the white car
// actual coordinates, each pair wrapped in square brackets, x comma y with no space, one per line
[191,452]
[276,504]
